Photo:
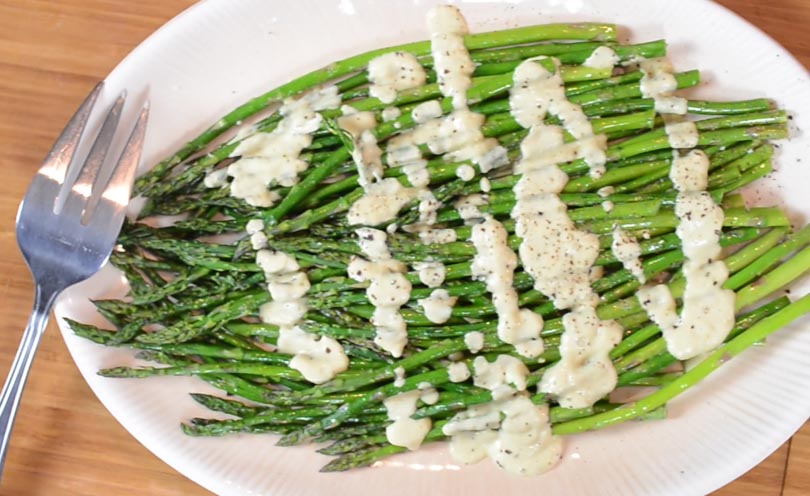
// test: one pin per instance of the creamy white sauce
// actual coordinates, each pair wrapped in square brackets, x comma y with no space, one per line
[409,159]
[525,443]
[474,341]
[438,307]
[391,113]
[367,153]
[216,179]
[287,287]
[522,444]
[553,251]
[405,431]
[283,313]
[502,377]
[557,255]
[451,60]
[428,207]
[254,225]
[690,171]
[431,274]
[276,262]
[273,159]
[495,263]
[399,377]
[258,240]
[429,396]
[707,314]
[585,372]
[318,359]
[467,208]
[381,202]
[458,372]
[701,222]
[465,172]
[255,229]
[602,58]
[658,82]
[487,154]
[485,185]
[605,191]
[682,134]
[373,244]
[472,433]
[511,430]
[419,176]
[537,92]
[438,236]
[384,198]
[290,285]
[388,289]
[457,136]
[393,72]
[627,251]
[426,111]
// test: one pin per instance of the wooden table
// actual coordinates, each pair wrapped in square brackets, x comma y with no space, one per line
[65,442]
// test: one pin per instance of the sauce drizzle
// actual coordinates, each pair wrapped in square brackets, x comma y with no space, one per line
[707,315]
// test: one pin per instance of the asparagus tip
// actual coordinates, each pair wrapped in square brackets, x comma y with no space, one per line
[116,372]
[292,438]
[190,430]
[336,465]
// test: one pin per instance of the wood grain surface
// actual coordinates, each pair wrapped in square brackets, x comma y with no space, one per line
[65,442]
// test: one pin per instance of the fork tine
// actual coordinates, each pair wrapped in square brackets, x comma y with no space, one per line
[73,197]
[41,195]
[56,162]
[108,201]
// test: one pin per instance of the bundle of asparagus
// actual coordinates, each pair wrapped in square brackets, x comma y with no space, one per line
[197,289]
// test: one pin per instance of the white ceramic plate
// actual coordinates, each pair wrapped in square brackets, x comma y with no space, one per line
[219,53]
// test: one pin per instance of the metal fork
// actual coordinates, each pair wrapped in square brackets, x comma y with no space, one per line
[67,225]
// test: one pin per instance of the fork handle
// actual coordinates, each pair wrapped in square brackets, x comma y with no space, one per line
[12,391]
